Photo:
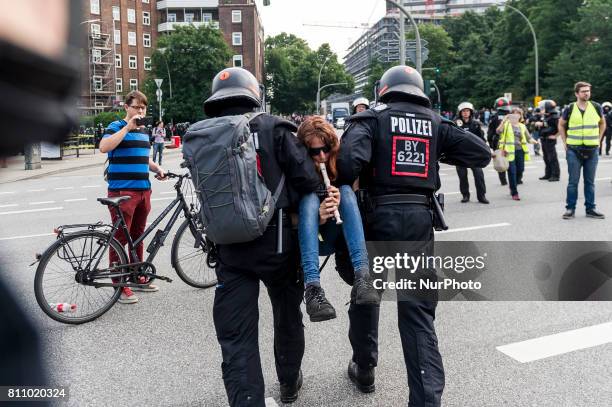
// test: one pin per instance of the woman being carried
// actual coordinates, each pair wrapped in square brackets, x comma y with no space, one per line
[315,219]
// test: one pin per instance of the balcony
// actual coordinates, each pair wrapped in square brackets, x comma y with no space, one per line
[164,4]
[166,27]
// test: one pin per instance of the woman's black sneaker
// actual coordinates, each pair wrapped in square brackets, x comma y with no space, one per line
[317,305]
[363,291]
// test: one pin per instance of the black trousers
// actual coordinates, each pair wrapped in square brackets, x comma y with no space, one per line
[415,318]
[464,185]
[608,138]
[550,158]
[236,314]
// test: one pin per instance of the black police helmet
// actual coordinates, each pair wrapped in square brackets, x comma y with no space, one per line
[547,105]
[404,83]
[233,87]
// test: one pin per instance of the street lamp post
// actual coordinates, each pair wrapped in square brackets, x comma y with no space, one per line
[535,47]
[325,86]
[319,86]
[418,63]
[162,51]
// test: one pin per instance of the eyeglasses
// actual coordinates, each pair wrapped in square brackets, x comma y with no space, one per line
[317,150]
[139,107]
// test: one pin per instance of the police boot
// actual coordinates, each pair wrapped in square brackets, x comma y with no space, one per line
[289,392]
[466,198]
[362,378]
[317,305]
[363,291]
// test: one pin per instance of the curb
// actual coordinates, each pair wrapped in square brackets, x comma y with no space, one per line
[68,169]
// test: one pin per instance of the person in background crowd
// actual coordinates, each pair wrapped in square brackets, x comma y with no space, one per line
[159,136]
[582,126]
[607,111]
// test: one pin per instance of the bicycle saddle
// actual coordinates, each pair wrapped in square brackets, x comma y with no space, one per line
[114,201]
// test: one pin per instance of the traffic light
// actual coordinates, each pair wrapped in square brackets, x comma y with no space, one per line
[429,85]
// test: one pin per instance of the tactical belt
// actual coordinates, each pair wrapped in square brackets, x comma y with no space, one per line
[401,199]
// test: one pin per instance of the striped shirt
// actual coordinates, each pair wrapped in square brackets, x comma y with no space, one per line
[129,162]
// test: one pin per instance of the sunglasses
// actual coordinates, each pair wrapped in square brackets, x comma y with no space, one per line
[317,150]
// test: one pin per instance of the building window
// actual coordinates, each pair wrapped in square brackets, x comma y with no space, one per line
[116,13]
[146,18]
[117,36]
[94,6]
[95,31]
[236,38]
[172,17]
[131,15]
[146,40]
[133,84]
[236,16]
[147,63]
[189,17]
[119,85]
[207,17]
[117,60]
[145,1]
[96,55]
[132,63]
[97,83]
[131,37]
[238,60]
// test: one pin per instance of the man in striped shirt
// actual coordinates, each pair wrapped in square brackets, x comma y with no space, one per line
[127,145]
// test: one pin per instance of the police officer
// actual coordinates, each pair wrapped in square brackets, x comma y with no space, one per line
[607,111]
[242,266]
[547,127]
[400,188]
[467,122]
[503,106]
[360,104]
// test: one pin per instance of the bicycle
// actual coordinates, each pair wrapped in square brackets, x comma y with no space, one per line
[90,290]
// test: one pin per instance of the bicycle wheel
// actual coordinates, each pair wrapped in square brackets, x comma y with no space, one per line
[60,267]
[189,261]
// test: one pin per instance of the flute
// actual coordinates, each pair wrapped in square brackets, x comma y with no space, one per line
[327,185]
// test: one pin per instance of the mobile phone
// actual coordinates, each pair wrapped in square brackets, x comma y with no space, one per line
[146,121]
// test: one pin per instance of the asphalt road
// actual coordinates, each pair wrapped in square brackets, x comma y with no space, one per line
[163,351]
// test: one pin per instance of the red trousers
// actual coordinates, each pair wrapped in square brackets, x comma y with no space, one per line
[135,212]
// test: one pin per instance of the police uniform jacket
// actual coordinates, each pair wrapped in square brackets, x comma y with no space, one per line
[395,149]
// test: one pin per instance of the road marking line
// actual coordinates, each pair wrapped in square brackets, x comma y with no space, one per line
[27,236]
[7,192]
[32,210]
[494,225]
[63,188]
[168,192]
[270,402]
[162,199]
[8,206]
[90,186]
[558,344]
[36,190]
[603,179]
[75,200]
[451,193]
[41,202]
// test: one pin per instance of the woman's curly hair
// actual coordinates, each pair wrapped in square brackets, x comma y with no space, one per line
[316,126]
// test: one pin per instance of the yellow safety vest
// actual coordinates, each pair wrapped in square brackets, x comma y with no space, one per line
[583,129]
[506,141]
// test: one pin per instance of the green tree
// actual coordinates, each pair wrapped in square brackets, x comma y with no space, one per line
[194,56]
[292,71]
[586,56]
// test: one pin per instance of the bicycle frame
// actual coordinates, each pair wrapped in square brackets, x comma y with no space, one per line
[158,241]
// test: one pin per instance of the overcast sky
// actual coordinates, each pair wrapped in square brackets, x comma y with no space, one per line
[290,16]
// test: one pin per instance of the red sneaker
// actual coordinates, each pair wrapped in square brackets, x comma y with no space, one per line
[127,296]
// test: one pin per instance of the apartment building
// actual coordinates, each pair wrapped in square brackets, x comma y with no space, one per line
[122,35]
